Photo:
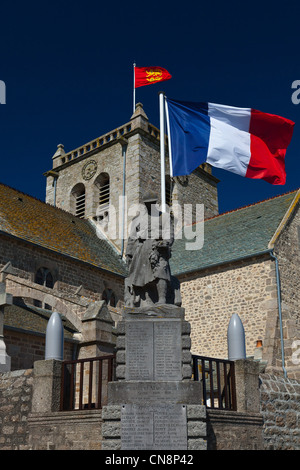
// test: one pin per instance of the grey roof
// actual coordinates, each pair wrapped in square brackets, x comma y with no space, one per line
[34,221]
[239,233]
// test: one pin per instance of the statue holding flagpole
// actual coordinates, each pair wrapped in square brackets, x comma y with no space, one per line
[148,252]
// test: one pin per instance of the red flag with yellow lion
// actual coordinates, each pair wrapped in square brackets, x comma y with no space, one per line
[149,75]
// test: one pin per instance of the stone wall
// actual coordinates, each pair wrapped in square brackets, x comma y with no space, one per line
[68,430]
[25,348]
[247,288]
[228,430]
[287,249]
[198,188]
[108,160]
[68,274]
[22,429]
[280,408]
[75,286]
[15,406]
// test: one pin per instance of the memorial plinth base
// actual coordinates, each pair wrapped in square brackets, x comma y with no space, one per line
[154,392]
[154,404]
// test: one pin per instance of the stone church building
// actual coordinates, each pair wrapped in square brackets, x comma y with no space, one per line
[68,255]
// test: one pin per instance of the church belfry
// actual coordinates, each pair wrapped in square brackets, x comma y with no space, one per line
[90,180]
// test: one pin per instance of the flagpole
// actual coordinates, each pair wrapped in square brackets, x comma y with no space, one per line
[134,87]
[169,138]
[162,151]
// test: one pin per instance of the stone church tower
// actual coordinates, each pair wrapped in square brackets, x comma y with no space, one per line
[90,180]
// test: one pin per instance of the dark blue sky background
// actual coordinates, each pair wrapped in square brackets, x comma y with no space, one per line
[67,66]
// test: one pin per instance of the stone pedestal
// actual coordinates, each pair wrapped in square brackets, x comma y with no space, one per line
[97,331]
[46,386]
[154,404]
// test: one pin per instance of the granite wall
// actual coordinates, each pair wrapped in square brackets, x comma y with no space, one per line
[20,429]
[15,405]
[210,297]
[280,409]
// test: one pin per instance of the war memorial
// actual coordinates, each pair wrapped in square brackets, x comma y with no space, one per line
[154,396]
[128,344]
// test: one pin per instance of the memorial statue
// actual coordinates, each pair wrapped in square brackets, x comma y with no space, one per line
[148,252]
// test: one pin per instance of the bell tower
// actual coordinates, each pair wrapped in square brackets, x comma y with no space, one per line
[95,180]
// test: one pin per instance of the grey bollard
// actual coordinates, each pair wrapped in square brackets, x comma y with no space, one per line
[54,338]
[236,339]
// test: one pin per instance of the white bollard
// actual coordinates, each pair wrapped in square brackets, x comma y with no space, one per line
[54,338]
[236,339]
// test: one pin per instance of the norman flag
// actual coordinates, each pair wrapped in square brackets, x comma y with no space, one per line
[149,75]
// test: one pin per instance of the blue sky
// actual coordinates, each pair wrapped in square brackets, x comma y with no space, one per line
[67,67]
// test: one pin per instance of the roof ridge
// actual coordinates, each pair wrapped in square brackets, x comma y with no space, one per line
[253,204]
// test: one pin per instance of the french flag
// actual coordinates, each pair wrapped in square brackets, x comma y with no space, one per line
[244,141]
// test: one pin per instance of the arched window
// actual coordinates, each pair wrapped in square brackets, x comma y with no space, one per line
[44,278]
[109,297]
[105,296]
[78,202]
[112,301]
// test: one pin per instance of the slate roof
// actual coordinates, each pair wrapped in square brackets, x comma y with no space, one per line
[30,318]
[239,233]
[34,221]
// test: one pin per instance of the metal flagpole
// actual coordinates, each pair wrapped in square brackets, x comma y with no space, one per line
[134,87]
[162,151]
[169,138]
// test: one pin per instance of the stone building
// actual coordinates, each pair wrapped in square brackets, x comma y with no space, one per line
[249,264]
[62,255]
[51,260]
[91,181]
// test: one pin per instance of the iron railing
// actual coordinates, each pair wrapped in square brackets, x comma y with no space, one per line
[84,383]
[218,382]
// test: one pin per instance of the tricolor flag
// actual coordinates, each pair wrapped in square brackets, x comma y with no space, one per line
[149,75]
[244,141]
